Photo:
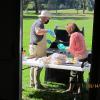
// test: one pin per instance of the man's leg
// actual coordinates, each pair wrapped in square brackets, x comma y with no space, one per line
[32,52]
[37,82]
[72,81]
[32,77]
[40,51]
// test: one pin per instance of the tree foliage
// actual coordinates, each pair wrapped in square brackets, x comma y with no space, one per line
[60,4]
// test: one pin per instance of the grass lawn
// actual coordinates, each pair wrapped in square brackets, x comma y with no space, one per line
[61,18]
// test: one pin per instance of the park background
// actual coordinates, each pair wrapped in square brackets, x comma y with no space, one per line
[64,11]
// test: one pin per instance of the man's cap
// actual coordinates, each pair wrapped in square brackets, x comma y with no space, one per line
[45,13]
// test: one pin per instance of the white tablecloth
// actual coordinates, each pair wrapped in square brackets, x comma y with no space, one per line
[76,67]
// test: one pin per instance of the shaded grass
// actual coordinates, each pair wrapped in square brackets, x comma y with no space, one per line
[51,93]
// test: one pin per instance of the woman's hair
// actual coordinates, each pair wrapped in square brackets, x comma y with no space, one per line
[74,27]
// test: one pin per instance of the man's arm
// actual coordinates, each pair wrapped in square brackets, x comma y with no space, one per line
[40,31]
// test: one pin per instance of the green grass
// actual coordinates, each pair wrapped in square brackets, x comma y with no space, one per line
[62,18]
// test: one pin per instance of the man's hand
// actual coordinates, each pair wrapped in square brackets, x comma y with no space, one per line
[51,33]
[40,31]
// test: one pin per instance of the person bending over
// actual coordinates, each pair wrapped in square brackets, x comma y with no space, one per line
[77,48]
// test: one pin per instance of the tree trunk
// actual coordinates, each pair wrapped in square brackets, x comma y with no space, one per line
[77,11]
[56,6]
[36,6]
[84,6]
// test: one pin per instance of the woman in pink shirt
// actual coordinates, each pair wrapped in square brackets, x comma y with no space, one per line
[77,45]
[78,50]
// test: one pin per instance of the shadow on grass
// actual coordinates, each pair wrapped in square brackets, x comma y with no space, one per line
[72,14]
[30,17]
[54,95]
[49,95]
[54,91]
[59,18]
[72,18]
[68,14]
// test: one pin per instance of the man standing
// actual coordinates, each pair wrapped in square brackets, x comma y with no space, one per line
[37,46]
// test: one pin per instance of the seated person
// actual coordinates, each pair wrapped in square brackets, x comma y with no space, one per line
[78,50]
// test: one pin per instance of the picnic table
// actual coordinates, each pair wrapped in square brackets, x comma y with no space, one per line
[67,66]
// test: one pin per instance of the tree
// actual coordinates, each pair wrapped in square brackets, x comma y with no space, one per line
[53,4]
[36,6]
[76,4]
[84,5]
[90,5]
[25,4]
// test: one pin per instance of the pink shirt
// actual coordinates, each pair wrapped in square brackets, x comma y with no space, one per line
[77,45]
